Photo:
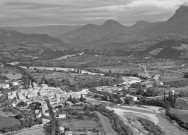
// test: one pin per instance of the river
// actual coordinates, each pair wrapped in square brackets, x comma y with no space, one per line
[166,126]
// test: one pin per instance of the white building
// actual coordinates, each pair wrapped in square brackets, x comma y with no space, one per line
[132,97]
[45,121]
[62,116]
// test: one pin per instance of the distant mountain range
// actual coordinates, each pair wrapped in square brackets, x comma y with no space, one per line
[114,32]
[109,34]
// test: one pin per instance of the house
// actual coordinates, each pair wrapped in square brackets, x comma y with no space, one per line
[62,129]
[68,133]
[45,120]
[62,116]
[132,97]
[46,114]
[15,83]
[68,103]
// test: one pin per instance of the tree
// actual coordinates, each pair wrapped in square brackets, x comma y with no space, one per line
[105,98]
[82,99]
[127,100]
[70,98]
[164,96]
[22,104]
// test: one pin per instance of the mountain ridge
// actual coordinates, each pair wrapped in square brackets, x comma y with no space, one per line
[175,26]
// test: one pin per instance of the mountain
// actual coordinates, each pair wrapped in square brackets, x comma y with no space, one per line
[92,32]
[52,30]
[112,32]
[13,36]
[175,26]
[112,26]
[180,17]
[85,33]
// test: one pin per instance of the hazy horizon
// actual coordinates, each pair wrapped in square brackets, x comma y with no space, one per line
[78,12]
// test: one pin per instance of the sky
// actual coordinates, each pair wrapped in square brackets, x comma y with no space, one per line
[73,12]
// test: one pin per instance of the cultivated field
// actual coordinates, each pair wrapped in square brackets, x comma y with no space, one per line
[107,127]
[34,131]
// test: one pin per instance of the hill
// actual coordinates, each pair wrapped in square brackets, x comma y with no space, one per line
[52,30]
[13,36]
[168,49]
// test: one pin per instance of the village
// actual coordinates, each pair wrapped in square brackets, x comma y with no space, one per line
[26,95]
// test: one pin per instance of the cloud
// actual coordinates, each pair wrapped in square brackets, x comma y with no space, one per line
[42,12]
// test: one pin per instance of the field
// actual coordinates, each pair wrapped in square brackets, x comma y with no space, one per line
[106,125]
[182,114]
[35,131]
[10,73]
[8,122]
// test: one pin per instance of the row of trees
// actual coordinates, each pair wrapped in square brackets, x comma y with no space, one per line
[78,83]
[176,84]
[152,128]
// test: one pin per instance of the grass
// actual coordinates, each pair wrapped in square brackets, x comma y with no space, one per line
[8,122]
